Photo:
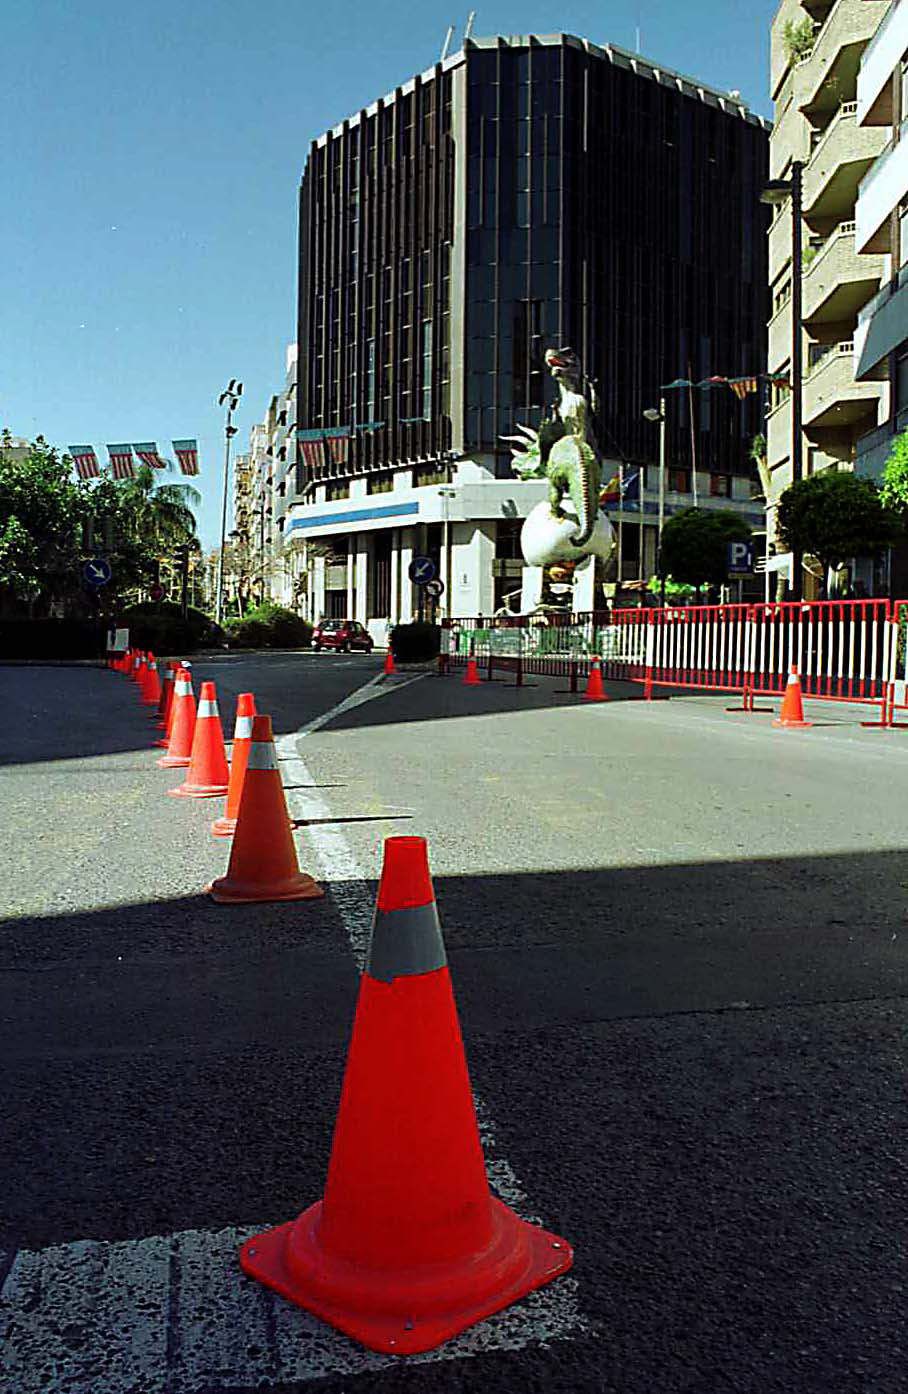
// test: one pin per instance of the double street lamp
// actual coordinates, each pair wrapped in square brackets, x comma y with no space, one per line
[776,192]
[230,398]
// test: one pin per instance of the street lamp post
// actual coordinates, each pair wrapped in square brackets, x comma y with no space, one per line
[660,415]
[230,398]
[776,192]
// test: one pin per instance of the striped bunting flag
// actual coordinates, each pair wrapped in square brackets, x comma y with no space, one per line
[122,465]
[85,461]
[148,454]
[338,438]
[187,452]
[313,447]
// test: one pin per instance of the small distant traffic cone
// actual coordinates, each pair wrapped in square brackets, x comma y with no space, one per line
[389,663]
[151,692]
[263,863]
[595,692]
[160,715]
[138,668]
[471,677]
[207,775]
[408,1246]
[166,722]
[182,724]
[792,713]
[239,756]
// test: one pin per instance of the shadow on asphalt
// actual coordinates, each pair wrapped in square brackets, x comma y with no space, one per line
[724,1156]
[696,1072]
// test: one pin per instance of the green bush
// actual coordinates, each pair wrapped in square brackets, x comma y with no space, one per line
[269,626]
[413,642]
[45,638]
[160,627]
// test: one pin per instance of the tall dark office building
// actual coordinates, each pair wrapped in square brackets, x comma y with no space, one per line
[527,191]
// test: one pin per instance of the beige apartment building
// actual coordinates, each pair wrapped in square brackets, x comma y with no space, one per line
[816,52]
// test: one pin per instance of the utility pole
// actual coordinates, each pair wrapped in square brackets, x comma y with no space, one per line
[230,398]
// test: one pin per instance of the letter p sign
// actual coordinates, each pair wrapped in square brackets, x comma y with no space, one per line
[740,558]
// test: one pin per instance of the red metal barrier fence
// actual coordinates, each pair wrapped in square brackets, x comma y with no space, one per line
[845,650]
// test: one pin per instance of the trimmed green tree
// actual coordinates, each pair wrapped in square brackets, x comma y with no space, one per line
[694,545]
[834,516]
[894,491]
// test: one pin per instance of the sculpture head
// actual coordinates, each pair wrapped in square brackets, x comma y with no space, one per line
[562,363]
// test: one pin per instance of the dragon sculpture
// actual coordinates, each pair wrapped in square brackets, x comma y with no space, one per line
[564,450]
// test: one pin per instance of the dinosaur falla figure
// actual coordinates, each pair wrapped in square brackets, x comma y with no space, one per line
[564,449]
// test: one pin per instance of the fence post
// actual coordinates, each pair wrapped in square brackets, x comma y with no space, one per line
[650,656]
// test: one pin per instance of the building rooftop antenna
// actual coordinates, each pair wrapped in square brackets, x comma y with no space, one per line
[447,43]
[468,32]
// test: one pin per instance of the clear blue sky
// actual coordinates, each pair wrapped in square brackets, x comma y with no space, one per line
[150,157]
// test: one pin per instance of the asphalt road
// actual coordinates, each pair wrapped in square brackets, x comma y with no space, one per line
[678,943]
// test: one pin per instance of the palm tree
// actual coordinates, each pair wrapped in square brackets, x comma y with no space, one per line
[159,514]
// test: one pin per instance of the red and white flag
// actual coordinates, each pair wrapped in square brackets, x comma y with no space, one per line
[339,445]
[85,461]
[187,452]
[122,465]
[148,454]
[313,447]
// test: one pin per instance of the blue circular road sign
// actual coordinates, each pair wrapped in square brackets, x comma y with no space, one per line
[97,572]
[422,570]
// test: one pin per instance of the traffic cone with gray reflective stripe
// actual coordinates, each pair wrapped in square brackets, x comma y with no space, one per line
[138,671]
[208,775]
[182,724]
[595,692]
[263,863]
[239,756]
[408,1247]
[160,715]
[792,713]
[151,692]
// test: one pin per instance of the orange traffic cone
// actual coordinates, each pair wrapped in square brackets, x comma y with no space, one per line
[239,756]
[160,715]
[151,692]
[263,863]
[595,692]
[471,677]
[138,669]
[389,663]
[208,774]
[182,724]
[408,1246]
[167,721]
[792,713]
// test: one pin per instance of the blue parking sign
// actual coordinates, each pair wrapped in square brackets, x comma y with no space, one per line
[739,558]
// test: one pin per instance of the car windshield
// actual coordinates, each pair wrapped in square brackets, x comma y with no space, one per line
[332,624]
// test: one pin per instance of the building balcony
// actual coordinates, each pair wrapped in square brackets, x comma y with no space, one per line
[831,396]
[779,244]
[832,75]
[781,66]
[873,449]
[838,282]
[882,327]
[880,59]
[881,191]
[840,160]
[779,348]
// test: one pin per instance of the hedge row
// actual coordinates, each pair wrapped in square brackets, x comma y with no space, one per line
[269,626]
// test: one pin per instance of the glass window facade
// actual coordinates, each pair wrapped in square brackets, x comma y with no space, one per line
[600,208]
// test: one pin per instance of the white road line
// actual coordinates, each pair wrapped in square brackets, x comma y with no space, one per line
[173,1314]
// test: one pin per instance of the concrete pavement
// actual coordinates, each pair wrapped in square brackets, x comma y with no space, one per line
[677,939]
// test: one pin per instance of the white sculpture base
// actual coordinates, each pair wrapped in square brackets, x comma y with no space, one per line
[545,539]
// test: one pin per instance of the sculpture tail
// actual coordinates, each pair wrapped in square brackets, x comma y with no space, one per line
[585,497]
